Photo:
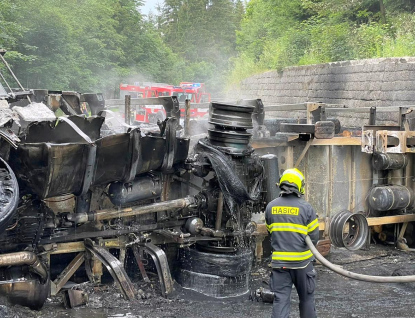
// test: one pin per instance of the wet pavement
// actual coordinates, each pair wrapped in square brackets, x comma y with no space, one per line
[336,296]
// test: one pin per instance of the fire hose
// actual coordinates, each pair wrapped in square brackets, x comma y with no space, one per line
[367,278]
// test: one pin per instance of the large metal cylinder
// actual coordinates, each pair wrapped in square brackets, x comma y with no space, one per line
[141,188]
[386,198]
[271,173]
[389,161]
[26,292]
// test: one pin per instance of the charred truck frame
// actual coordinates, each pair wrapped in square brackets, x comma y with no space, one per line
[79,187]
[79,192]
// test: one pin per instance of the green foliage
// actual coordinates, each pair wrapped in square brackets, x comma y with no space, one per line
[368,40]
[328,42]
[84,45]
[243,66]
[277,34]
[203,32]
[93,45]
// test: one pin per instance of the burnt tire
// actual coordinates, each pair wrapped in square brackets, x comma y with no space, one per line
[324,130]
[9,195]
[224,264]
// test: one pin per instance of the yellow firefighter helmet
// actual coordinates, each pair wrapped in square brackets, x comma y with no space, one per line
[293,177]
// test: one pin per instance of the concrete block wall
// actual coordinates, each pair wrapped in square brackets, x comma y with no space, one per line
[361,83]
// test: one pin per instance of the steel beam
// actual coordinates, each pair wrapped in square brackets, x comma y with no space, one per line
[67,273]
[262,229]
[162,266]
[114,267]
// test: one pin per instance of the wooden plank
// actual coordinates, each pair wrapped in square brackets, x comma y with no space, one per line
[66,274]
[391,219]
[73,247]
[262,229]
[285,107]
[335,141]
[338,141]
[267,143]
[63,248]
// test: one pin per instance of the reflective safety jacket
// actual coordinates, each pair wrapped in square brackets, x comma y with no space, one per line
[289,219]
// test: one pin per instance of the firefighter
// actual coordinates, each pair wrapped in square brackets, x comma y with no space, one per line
[289,219]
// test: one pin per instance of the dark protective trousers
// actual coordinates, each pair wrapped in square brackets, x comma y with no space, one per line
[281,282]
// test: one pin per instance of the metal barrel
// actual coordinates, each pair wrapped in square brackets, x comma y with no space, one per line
[389,161]
[141,188]
[272,176]
[387,198]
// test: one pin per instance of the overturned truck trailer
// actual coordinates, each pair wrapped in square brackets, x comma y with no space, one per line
[74,188]
[358,164]
[79,193]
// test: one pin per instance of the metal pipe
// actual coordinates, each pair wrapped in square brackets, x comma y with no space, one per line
[127,110]
[366,278]
[272,175]
[219,212]
[187,118]
[25,258]
[4,80]
[133,211]
[14,76]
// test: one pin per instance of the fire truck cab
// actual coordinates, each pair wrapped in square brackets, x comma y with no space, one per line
[194,92]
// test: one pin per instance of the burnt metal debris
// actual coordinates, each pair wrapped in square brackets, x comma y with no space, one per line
[87,189]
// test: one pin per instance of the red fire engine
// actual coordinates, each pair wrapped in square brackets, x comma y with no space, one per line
[195,92]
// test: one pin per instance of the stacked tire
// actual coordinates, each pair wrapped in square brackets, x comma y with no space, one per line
[217,275]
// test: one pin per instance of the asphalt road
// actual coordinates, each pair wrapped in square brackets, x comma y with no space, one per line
[336,296]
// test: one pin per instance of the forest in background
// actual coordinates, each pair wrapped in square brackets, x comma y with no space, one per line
[93,45]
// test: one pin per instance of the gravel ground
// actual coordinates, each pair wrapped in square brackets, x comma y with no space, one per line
[336,296]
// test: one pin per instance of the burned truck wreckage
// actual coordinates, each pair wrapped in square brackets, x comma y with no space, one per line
[86,191]
[74,189]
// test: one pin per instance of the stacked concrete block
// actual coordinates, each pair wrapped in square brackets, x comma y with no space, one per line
[362,83]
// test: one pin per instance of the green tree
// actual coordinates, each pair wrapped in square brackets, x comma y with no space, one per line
[84,45]
[279,33]
[203,33]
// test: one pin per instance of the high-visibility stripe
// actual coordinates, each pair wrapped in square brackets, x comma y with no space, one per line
[287,227]
[291,256]
[292,253]
[289,224]
[312,226]
[288,230]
